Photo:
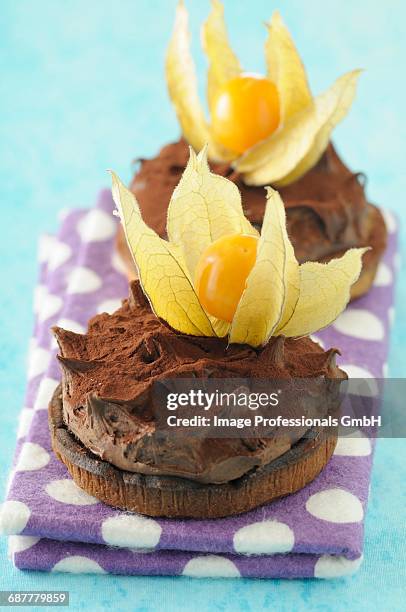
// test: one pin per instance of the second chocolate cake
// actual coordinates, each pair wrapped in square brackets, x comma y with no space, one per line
[265,130]
[326,209]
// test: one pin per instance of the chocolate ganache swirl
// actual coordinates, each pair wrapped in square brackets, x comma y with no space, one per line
[327,211]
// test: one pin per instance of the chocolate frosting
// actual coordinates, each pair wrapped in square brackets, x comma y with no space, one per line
[327,211]
[109,405]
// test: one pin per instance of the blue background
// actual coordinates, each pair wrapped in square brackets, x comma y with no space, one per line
[82,90]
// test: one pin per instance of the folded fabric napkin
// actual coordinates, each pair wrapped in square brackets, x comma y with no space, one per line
[54,525]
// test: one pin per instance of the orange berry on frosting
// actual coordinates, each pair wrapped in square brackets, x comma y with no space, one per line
[222,272]
[245,111]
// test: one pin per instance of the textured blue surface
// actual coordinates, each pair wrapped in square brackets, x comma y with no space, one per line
[82,91]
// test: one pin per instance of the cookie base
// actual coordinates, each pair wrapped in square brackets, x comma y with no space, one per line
[168,496]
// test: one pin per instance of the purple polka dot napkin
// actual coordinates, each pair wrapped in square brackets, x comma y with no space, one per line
[55,526]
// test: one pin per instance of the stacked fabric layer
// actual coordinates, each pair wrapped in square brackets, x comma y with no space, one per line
[55,526]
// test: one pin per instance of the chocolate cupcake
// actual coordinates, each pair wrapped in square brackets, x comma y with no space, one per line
[265,131]
[104,417]
[216,302]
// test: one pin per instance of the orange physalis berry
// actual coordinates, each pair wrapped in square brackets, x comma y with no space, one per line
[222,271]
[245,111]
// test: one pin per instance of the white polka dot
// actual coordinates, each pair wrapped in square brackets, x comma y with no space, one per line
[14,516]
[131,530]
[109,306]
[390,220]
[32,457]
[44,247]
[71,325]
[40,294]
[53,251]
[38,361]
[49,305]
[385,370]
[59,255]
[361,381]
[210,566]
[356,445]
[67,492]
[95,226]
[383,276]
[46,389]
[391,315]
[24,422]
[32,344]
[360,323]
[77,564]
[83,280]
[330,566]
[118,264]
[18,543]
[264,538]
[335,506]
